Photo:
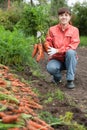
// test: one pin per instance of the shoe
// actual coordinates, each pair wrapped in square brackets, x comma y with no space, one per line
[56,82]
[70,84]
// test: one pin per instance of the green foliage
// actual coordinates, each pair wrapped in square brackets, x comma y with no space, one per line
[83,41]
[58,94]
[8,97]
[9,18]
[80,17]
[48,117]
[53,21]
[66,119]
[42,1]
[15,49]
[55,4]
[34,19]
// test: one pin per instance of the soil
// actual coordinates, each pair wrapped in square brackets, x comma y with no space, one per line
[75,99]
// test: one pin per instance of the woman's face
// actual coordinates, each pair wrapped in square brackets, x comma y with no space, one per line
[64,18]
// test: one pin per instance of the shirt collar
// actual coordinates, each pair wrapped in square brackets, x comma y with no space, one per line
[59,26]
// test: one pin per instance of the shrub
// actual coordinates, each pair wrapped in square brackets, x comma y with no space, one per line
[9,18]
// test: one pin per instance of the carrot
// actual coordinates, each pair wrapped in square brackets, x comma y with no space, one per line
[2,82]
[30,127]
[9,76]
[34,105]
[17,111]
[14,129]
[10,108]
[9,113]
[39,121]
[4,67]
[21,109]
[35,50]
[46,46]
[36,125]
[2,114]
[30,111]
[24,128]
[40,52]
[42,123]
[10,118]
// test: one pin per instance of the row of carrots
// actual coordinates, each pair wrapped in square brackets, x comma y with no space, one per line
[27,103]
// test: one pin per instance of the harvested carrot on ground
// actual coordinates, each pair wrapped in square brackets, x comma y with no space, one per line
[34,105]
[42,123]
[37,126]
[14,129]
[2,114]
[36,119]
[35,50]
[30,111]
[24,128]
[10,118]
[40,52]
[30,127]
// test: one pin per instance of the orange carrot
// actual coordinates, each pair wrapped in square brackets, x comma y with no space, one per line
[36,119]
[10,118]
[42,123]
[35,50]
[30,127]
[17,111]
[36,125]
[30,111]
[34,105]
[14,129]
[24,128]
[2,82]
[2,114]
[46,46]
[40,52]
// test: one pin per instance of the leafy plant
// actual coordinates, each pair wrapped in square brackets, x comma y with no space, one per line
[48,117]
[8,97]
[15,48]
[34,18]
[66,119]
[58,94]
[9,18]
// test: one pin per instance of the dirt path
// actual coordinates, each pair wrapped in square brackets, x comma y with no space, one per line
[79,94]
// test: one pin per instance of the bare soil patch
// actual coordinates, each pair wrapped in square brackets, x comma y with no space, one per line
[76,99]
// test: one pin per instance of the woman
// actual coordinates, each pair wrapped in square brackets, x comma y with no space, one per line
[63,40]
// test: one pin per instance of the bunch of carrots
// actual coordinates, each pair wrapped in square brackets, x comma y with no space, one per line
[39,49]
[17,98]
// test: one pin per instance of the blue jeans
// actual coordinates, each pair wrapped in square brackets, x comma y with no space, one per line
[54,67]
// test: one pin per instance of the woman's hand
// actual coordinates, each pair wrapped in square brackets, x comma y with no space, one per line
[51,51]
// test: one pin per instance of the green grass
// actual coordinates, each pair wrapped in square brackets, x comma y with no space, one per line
[83,41]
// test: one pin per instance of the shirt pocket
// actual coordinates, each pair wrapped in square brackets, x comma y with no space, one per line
[68,37]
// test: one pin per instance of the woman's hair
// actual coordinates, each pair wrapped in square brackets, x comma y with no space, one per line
[64,10]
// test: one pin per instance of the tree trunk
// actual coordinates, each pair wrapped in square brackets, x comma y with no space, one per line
[8,4]
[31,1]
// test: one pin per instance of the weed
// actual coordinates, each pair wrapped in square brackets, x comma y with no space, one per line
[50,96]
